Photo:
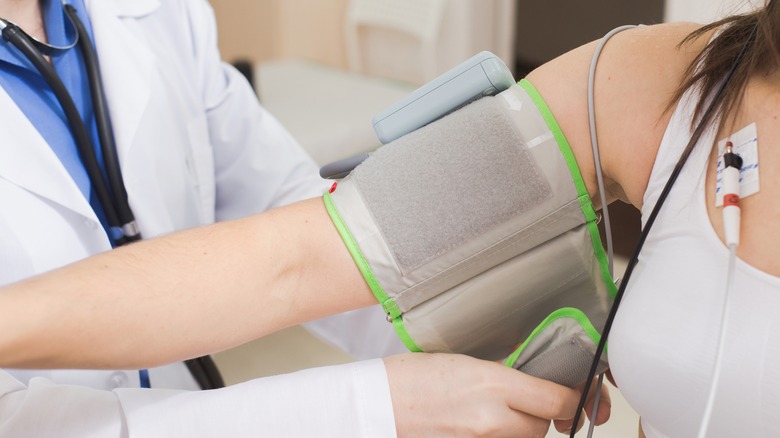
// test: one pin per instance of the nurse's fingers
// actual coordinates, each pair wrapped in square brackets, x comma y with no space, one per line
[541,398]
[564,426]
[602,415]
[456,395]
[605,404]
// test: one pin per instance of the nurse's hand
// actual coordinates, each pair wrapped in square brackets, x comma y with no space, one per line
[456,395]
[605,407]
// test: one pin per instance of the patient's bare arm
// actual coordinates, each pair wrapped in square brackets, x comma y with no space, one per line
[183,295]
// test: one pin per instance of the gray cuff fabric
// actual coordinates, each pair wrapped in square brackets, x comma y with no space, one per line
[473,230]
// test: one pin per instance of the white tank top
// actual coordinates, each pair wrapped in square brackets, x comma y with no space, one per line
[663,344]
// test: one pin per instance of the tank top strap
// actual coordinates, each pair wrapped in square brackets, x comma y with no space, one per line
[676,137]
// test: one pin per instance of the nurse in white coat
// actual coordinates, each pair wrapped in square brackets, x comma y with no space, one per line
[195,147]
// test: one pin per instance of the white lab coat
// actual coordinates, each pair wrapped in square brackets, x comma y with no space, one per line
[194,147]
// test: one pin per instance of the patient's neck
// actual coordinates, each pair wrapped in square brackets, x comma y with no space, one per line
[25,14]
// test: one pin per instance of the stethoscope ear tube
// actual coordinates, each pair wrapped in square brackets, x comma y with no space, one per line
[46,48]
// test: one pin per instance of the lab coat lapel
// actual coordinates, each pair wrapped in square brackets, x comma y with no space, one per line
[25,157]
[27,161]
[126,64]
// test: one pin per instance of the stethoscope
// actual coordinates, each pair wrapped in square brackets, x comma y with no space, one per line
[111,192]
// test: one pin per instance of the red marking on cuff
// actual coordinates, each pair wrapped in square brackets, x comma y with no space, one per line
[730,200]
[333,187]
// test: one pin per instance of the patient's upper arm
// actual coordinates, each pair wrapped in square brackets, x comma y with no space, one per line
[637,74]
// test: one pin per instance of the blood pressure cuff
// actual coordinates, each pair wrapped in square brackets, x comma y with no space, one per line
[477,236]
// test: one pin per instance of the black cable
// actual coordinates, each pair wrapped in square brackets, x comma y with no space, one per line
[706,118]
[205,372]
[105,130]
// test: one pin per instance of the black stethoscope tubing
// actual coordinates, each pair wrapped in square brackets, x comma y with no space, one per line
[112,193]
[105,130]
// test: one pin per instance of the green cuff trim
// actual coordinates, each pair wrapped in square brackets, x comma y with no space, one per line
[389,306]
[584,199]
[400,329]
[563,144]
[357,256]
[566,312]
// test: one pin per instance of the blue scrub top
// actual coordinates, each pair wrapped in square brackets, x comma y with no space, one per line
[27,87]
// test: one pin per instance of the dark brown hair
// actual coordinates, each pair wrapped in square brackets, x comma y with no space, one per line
[758,33]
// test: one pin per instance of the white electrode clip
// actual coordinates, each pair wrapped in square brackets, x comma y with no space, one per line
[731,210]
[729,186]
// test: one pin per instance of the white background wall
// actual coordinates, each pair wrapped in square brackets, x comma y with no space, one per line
[268,29]
[262,30]
[703,11]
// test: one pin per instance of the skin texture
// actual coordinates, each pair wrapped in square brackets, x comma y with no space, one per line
[26,14]
[635,78]
[279,265]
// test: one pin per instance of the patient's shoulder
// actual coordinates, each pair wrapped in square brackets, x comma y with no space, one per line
[636,76]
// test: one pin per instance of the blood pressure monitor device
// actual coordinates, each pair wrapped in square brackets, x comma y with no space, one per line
[482,75]
[474,230]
